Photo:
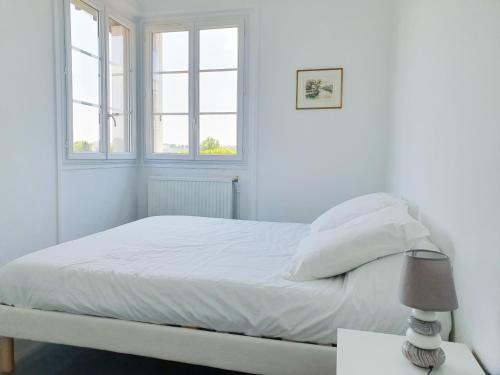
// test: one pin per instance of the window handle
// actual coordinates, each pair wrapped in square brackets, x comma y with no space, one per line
[112,116]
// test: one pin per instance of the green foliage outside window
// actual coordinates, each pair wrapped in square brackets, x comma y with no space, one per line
[211,146]
[82,146]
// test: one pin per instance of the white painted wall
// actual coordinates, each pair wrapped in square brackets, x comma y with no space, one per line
[446,155]
[307,161]
[27,134]
[310,160]
[93,200]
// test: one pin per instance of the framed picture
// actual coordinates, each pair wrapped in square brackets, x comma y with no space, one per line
[319,88]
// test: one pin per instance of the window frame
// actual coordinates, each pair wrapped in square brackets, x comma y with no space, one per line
[103,154]
[194,26]
[130,58]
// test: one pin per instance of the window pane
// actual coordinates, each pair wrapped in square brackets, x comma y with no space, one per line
[171,134]
[218,134]
[119,121]
[218,91]
[84,27]
[85,128]
[118,37]
[119,133]
[85,71]
[171,51]
[117,94]
[171,93]
[85,77]
[219,48]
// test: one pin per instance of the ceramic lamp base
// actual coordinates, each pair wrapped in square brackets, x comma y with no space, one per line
[422,347]
[423,357]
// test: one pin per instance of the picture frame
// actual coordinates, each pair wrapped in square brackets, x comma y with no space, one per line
[319,88]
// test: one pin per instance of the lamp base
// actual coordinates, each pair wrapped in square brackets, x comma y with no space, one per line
[425,358]
[422,347]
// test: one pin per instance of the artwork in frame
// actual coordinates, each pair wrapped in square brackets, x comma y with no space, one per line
[319,88]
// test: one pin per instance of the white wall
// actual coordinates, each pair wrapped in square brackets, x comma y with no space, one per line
[310,160]
[307,161]
[93,200]
[446,155]
[27,134]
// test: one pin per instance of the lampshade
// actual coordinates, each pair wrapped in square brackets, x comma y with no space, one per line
[427,281]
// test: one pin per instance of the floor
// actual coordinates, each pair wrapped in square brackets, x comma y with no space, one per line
[48,359]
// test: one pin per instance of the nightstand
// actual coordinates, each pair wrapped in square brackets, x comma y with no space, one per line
[370,353]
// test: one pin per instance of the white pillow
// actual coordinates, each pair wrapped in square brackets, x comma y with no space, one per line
[335,251]
[354,208]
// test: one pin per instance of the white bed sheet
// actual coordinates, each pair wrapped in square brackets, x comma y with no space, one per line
[218,274]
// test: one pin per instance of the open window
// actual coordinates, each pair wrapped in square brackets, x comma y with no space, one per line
[99,86]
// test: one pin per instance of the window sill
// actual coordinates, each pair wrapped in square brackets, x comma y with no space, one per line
[98,164]
[68,165]
[194,164]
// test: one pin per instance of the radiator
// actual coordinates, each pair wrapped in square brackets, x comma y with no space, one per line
[209,197]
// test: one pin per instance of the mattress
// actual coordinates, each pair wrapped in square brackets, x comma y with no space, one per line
[217,274]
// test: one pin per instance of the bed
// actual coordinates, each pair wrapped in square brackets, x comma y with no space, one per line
[198,290]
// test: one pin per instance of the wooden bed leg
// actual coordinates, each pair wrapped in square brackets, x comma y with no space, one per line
[7,354]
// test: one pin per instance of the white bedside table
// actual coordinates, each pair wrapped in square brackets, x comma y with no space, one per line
[369,353]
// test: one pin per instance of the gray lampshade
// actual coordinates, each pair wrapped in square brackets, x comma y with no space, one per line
[427,281]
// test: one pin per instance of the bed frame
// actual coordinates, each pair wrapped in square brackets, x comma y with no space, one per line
[180,344]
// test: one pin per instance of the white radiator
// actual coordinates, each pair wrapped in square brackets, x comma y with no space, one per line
[210,197]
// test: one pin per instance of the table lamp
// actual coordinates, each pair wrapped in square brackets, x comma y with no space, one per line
[426,286]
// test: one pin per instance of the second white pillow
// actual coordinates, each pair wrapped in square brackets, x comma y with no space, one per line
[353,208]
[335,251]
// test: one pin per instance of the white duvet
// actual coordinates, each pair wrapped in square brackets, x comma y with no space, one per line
[218,274]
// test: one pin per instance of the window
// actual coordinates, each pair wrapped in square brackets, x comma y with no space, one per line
[98,69]
[195,91]
[119,112]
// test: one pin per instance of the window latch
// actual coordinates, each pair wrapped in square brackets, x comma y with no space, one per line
[112,117]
